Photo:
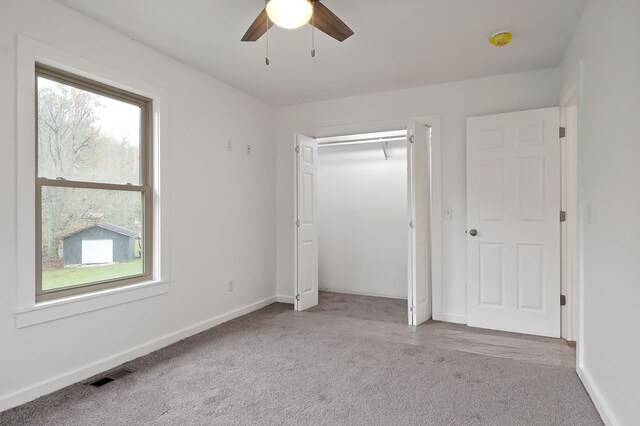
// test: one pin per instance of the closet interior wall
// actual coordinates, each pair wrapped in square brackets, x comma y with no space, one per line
[362,217]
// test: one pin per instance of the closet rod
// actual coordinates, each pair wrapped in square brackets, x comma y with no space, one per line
[361,141]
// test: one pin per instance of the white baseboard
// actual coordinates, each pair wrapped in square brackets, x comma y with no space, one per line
[597,398]
[454,318]
[285,299]
[84,372]
[361,293]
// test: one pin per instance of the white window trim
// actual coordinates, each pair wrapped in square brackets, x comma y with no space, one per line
[27,311]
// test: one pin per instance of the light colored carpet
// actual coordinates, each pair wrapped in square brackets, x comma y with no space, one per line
[278,367]
[363,307]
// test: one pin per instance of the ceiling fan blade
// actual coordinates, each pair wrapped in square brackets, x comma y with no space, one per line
[327,22]
[258,27]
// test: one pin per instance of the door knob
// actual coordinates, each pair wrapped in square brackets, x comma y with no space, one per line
[473,232]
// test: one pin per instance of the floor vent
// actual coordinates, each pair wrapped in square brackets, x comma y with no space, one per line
[111,377]
[101,382]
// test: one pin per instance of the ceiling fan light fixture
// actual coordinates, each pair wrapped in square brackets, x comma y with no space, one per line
[289,13]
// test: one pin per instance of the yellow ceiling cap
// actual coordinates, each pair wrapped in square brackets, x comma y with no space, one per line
[501,38]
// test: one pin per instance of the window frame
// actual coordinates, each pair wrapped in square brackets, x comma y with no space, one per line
[144,186]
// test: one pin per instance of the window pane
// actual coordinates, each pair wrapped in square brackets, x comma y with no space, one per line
[85,136]
[90,235]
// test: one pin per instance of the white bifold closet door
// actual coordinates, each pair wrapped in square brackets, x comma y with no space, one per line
[306,223]
[419,200]
[513,209]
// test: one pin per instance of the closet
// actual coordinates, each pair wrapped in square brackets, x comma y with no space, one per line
[362,220]
[362,228]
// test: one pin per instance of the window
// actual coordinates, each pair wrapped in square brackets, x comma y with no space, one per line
[93,194]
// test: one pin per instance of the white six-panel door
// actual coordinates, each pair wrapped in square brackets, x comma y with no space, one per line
[418,195]
[306,222]
[513,225]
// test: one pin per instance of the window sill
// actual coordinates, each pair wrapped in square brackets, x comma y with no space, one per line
[55,309]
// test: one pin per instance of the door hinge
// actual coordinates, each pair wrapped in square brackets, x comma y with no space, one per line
[412,138]
[563,132]
[563,216]
[563,300]
[298,223]
[411,224]
[298,297]
[297,149]
[410,308]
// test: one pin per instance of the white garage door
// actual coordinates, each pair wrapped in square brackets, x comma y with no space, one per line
[97,251]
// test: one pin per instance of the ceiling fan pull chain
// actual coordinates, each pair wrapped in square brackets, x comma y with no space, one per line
[313,31]
[266,59]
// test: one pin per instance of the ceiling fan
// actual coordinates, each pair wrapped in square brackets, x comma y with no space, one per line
[294,14]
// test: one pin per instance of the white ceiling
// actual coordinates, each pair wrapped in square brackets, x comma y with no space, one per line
[397,43]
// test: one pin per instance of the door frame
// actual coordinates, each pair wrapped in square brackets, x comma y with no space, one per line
[434,121]
[570,239]
[571,256]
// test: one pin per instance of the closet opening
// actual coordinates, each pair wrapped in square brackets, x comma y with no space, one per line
[362,220]
[365,209]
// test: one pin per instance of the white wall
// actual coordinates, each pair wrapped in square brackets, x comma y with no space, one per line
[221,206]
[455,102]
[607,40]
[362,217]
